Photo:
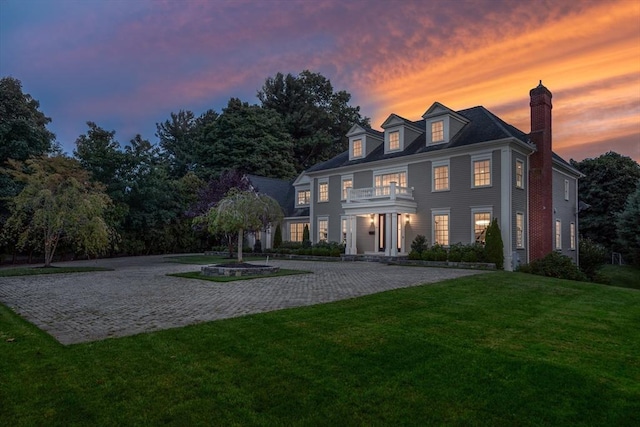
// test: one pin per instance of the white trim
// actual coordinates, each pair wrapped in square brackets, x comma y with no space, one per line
[387,139]
[566,189]
[363,146]
[506,205]
[522,184]
[439,164]
[481,158]
[437,212]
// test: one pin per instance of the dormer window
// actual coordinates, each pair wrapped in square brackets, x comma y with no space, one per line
[304,196]
[394,140]
[357,148]
[437,131]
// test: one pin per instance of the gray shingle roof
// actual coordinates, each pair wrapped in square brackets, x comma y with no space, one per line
[281,190]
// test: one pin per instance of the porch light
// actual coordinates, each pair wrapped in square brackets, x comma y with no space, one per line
[372,217]
[408,218]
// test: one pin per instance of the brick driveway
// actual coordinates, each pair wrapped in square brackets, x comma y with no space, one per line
[138,296]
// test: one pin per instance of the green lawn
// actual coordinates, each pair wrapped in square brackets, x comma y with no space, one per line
[31,271]
[624,276]
[495,349]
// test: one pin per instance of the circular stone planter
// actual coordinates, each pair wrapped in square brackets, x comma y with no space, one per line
[240,269]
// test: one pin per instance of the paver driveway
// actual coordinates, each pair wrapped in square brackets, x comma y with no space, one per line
[138,296]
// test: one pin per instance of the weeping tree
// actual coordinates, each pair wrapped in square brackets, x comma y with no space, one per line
[239,212]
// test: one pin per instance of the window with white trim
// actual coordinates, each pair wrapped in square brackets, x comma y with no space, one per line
[323,190]
[572,233]
[347,184]
[357,148]
[481,221]
[437,131]
[440,176]
[296,231]
[382,182]
[519,230]
[481,173]
[304,196]
[323,229]
[566,189]
[519,174]
[394,140]
[558,234]
[441,228]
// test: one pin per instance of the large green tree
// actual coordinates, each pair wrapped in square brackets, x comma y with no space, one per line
[57,204]
[249,139]
[628,227]
[241,211]
[608,181]
[316,117]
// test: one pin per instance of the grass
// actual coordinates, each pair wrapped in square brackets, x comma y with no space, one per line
[31,271]
[208,259]
[624,276]
[504,349]
[197,275]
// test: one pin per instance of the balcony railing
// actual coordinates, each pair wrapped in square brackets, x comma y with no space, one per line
[388,192]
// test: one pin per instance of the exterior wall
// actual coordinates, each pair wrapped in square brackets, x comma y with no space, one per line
[565,211]
[331,209]
[519,205]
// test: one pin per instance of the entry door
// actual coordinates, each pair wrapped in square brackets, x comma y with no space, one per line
[382,232]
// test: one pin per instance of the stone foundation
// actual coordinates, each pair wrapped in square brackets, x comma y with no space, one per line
[258,270]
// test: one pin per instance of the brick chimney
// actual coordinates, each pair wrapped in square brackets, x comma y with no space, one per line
[540,175]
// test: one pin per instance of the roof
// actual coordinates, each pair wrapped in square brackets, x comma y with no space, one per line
[483,126]
[281,190]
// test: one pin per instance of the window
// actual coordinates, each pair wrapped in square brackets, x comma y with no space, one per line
[304,196]
[323,229]
[437,131]
[357,148]
[296,231]
[344,231]
[482,173]
[383,182]
[572,231]
[347,184]
[394,140]
[519,230]
[441,229]
[323,191]
[440,176]
[566,189]
[519,174]
[558,234]
[481,221]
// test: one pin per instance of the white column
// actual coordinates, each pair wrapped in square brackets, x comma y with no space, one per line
[388,230]
[394,234]
[352,224]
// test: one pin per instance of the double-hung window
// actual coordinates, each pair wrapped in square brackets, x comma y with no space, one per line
[481,221]
[394,140]
[296,231]
[304,196]
[440,176]
[323,229]
[519,230]
[558,234]
[323,190]
[481,168]
[572,232]
[347,184]
[437,131]
[382,182]
[441,227]
[357,148]
[519,174]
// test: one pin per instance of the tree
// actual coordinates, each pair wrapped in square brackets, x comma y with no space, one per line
[628,227]
[23,133]
[57,203]
[316,117]
[277,237]
[608,181]
[493,245]
[250,139]
[241,211]
[306,241]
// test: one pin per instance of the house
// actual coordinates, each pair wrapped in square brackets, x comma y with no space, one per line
[444,176]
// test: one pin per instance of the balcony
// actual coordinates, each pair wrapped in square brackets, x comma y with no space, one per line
[386,192]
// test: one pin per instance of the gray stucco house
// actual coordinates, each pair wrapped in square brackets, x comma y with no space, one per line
[444,176]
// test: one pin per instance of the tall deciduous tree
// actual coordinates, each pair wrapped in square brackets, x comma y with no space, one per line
[250,139]
[57,203]
[241,211]
[316,117]
[608,181]
[628,227]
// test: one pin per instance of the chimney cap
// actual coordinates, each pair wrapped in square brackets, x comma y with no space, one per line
[540,90]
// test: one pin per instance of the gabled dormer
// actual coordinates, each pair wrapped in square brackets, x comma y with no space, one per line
[362,141]
[398,133]
[442,124]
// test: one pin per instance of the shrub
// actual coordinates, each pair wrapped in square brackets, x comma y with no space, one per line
[257,246]
[306,241]
[415,255]
[455,252]
[494,248]
[435,253]
[277,237]
[419,244]
[592,257]
[554,265]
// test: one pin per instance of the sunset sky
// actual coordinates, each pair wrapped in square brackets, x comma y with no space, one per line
[126,65]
